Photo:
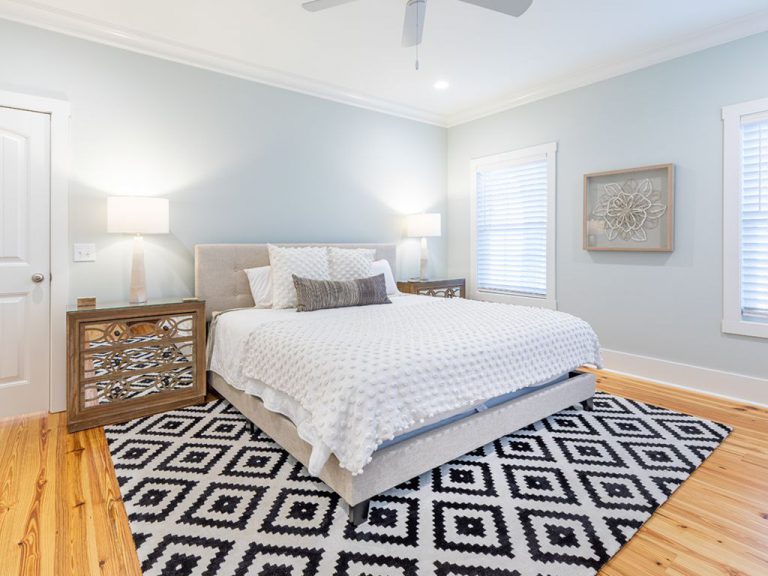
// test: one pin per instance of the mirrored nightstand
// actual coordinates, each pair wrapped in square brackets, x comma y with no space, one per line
[127,361]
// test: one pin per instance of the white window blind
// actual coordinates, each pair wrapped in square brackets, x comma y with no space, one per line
[754,216]
[511,227]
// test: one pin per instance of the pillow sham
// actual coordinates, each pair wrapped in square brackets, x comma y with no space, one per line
[350,263]
[322,294]
[260,281]
[307,262]
[382,267]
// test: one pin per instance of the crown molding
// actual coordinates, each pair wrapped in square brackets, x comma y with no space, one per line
[73,24]
[80,26]
[754,23]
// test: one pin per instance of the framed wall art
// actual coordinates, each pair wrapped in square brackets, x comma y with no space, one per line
[630,210]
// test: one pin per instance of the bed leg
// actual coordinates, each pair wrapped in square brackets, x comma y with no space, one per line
[589,404]
[358,513]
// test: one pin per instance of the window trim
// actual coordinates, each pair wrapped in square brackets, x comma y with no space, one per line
[550,300]
[733,321]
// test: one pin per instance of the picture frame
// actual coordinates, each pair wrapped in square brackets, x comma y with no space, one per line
[630,210]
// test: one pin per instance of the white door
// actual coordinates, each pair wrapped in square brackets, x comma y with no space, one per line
[24,261]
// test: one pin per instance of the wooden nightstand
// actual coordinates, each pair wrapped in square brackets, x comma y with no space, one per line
[455,288]
[133,360]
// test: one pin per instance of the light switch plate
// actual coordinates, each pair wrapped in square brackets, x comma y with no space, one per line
[84,253]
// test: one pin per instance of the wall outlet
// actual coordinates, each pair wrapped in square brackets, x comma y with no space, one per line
[84,253]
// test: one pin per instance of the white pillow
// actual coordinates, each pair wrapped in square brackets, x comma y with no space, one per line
[260,280]
[307,262]
[383,267]
[350,263]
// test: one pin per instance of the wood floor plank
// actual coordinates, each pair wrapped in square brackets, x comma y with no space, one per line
[61,511]
[64,561]
[80,538]
[12,493]
[115,551]
[38,512]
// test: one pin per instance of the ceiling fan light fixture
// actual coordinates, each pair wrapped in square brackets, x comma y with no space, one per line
[413,27]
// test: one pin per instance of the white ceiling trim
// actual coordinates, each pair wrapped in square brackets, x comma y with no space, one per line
[717,35]
[74,24]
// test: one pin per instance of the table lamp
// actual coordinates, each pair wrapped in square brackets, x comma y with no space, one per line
[423,226]
[137,215]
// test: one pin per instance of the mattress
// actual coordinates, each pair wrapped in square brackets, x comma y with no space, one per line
[356,380]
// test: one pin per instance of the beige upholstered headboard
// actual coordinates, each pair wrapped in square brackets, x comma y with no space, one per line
[221,282]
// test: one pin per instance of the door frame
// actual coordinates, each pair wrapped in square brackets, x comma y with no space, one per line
[59,112]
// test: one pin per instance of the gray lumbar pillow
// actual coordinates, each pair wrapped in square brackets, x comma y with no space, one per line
[321,294]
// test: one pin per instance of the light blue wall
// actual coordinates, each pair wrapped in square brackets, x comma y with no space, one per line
[240,161]
[666,306]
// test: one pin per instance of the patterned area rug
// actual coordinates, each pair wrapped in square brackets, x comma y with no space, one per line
[204,496]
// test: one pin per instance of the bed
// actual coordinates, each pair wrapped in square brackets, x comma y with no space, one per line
[366,424]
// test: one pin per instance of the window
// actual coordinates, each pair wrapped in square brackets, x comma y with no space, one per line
[745,223]
[513,227]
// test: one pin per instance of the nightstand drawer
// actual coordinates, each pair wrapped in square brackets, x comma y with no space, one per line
[133,361]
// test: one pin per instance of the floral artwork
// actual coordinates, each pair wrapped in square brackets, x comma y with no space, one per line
[629,209]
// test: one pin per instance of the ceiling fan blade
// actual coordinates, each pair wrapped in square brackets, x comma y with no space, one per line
[316,5]
[511,7]
[414,22]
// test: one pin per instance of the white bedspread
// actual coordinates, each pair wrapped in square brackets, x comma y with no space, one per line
[352,378]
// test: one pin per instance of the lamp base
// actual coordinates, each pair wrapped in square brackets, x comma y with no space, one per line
[423,260]
[138,294]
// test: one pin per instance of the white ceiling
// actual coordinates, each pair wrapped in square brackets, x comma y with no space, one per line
[352,53]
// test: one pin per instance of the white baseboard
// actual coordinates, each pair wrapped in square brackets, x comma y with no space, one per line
[715,382]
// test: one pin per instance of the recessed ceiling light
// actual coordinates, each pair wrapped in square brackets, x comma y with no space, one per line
[441,85]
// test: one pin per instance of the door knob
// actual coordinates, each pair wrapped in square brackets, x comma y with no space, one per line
[37,277]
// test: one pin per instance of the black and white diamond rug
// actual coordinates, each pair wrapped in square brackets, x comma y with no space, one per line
[204,496]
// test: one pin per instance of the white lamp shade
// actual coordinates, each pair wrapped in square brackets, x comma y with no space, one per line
[137,215]
[423,225]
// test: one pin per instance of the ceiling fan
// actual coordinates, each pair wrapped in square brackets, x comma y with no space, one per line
[415,10]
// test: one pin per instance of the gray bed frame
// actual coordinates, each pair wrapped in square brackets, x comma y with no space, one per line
[221,282]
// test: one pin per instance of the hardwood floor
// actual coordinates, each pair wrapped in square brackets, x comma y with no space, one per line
[61,512]
[60,506]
